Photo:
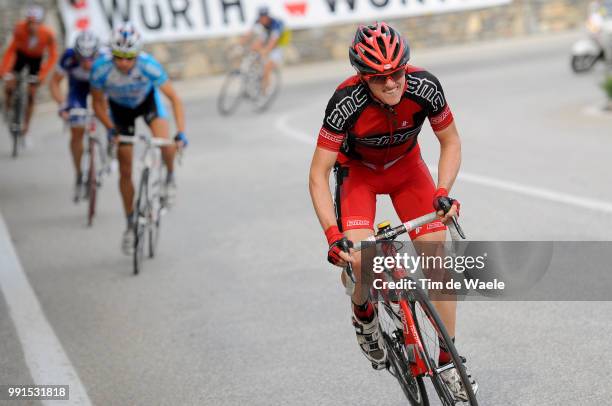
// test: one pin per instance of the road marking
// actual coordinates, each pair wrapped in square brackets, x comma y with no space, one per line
[282,124]
[44,355]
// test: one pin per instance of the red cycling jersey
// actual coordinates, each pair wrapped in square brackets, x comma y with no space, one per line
[378,148]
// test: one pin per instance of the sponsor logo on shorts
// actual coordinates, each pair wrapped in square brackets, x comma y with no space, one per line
[435,224]
[357,222]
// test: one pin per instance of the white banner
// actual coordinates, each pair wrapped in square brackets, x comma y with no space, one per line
[170,20]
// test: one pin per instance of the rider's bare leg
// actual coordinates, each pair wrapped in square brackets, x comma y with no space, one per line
[446,305]
[126,186]
[268,68]
[361,294]
[32,88]
[76,148]
[9,88]
[161,129]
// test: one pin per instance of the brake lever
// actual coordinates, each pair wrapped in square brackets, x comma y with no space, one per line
[445,206]
[458,227]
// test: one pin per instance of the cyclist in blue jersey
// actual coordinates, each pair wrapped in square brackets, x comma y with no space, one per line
[75,63]
[270,37]
[132,80]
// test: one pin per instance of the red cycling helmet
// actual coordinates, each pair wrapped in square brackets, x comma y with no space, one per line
[378,49]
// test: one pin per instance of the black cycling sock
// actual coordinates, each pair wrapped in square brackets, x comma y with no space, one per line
[445,356]
[130,220]
[364,312]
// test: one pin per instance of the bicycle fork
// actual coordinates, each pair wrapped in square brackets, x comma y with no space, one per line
[419,365]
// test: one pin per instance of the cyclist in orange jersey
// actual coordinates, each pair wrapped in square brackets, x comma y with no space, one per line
[31,39]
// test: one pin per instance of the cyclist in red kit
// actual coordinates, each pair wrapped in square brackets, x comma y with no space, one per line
[31,41]
[369,136]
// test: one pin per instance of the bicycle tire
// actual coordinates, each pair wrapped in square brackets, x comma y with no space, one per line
[156,214]
[264,102]
[140,221]
[92,184]
[16,120]
[447,399]
[15,151]
[413,387]
[226,102]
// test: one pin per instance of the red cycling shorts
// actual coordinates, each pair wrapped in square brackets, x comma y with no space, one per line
[407,181]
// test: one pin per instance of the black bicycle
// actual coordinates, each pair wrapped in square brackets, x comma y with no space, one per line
[412,330]
[17,110]
[244,81]
[150,203]
[95,162]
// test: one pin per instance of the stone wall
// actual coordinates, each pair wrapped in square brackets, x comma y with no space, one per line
[519,18]
[188,59]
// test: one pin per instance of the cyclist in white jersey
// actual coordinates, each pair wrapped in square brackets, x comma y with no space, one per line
[131,81]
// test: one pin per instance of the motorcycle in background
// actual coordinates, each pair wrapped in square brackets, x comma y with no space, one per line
[598,46]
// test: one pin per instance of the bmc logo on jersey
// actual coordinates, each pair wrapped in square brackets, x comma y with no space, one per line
[346,107]
[388,139]
[426,89]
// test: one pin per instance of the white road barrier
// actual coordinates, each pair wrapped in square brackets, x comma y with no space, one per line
[179,20]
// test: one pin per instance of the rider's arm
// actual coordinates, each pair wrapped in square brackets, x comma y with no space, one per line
[322,163]
[100,108]
[272,42]
[177,105]
[51,57]
[450,156]
[9,57]
[54,87]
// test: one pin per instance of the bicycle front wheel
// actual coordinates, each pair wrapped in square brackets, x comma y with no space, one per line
[433,336]
[231,93]
[398,360]
[156,212]
[92,184]
[141,221]
[16,121]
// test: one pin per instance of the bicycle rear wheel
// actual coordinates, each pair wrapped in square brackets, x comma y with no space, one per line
[433,335]
[141,221]
[398,360]
[231,93]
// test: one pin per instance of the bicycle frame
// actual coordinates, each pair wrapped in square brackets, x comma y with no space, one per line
[86,119]
[412,340]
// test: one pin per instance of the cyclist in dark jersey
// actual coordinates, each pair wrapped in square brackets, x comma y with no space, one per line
[369,134]
[75,64]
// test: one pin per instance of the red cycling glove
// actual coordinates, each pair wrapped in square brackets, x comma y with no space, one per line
[336,241]
[441,201]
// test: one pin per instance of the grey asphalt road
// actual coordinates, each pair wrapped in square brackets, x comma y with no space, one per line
[240,307]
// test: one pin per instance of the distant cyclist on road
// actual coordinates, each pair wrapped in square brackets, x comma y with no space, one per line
[131,80]
[269,37]
[31,41]
[369,134]
[76,64]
